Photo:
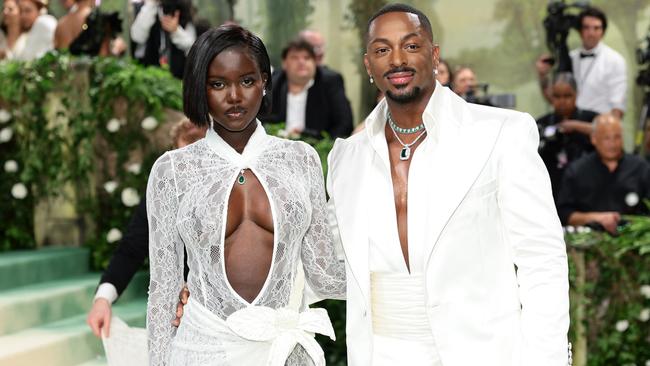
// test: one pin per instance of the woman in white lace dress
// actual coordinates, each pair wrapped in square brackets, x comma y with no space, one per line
[248,208]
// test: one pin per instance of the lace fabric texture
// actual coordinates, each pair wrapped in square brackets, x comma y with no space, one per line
[187,198]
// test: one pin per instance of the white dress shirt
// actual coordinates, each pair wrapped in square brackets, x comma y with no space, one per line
[601,78]
[38,40]
[183,38]
[297,108]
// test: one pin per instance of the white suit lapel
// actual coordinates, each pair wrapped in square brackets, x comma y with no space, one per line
[459,155]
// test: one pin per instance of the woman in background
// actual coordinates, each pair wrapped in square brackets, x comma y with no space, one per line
[11,34]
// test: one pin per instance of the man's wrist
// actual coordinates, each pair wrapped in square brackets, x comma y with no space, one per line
[106,291]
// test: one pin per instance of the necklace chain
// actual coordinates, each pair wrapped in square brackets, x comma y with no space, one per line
[406,131]
[411,143]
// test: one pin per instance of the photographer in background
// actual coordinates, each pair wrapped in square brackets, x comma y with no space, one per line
[162,33]
[564,133]
[464,83]
[600,71]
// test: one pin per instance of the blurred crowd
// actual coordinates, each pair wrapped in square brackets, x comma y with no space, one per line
[593,180]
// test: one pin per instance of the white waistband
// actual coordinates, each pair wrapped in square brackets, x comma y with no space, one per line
[398,306]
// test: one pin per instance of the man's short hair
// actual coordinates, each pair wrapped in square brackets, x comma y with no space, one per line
[205,49]
[401,8]
[298,44]
[595,12]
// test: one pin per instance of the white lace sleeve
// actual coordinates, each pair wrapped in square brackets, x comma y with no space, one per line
[165,259]
[324,273]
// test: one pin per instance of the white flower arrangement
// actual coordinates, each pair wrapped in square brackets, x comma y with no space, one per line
[11,166]
[645,291]
[5,116]
[130,197]
[19,191]
[134,168]
[113,125]
[113,235]
[110,186]
[622,325]
[6,134]
[644,315]
[149,123]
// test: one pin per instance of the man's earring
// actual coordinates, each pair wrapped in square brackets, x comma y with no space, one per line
[372,81]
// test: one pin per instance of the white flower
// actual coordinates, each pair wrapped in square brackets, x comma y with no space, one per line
[113,235]
[130,197]
[11,166]
[645,291]
[6,134]
[113,125]
[622,325]
[647,363]
[631,199]
[110,186]
[570,229]
[644,315]
[134,168]
[580,229]
[4,116]
[19,191]
[149,123]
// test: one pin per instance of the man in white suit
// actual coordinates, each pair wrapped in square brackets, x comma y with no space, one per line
[455,255]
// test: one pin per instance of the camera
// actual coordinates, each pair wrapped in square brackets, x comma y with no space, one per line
[479,95]
[643,59]
[558,22]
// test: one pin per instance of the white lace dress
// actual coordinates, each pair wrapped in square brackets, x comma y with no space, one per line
[187,198]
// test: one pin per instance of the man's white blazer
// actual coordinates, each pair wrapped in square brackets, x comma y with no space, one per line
[495,259]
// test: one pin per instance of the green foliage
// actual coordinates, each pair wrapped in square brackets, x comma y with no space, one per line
[616,268]
[286,19]
[61,108]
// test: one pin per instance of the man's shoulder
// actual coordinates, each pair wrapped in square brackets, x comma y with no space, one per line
[612,55]
[584,163]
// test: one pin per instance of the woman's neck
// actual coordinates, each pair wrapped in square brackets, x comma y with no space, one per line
[239,139]
[13,32]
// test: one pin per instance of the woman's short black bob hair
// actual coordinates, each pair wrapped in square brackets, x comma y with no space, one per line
[205,49]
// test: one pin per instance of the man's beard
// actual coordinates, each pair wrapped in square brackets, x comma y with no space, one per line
[406,98]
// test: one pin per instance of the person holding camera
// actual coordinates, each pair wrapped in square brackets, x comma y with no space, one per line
[163,33]
[600,72]
[564,133]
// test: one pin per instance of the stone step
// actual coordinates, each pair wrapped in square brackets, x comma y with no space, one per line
[63,343]
[26,267]
[46,302]
[98,361]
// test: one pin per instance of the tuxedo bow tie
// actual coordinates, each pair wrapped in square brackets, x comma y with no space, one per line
[585,54]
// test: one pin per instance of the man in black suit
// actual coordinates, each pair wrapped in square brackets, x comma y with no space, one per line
[309,98]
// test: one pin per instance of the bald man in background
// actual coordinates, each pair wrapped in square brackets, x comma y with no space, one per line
[605,184]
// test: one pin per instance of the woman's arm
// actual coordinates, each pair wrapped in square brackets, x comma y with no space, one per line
[165,258]
[324,273]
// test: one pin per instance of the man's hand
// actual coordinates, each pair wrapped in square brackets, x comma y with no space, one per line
[543,66]
[182,301]
[572,125]
[99,317]
[609,220]
[169,23]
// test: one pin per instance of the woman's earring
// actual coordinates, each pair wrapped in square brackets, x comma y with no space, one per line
[435,71]
[263,92]
[372,81]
